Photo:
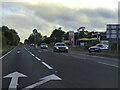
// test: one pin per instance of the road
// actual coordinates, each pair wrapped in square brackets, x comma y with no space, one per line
[25,67]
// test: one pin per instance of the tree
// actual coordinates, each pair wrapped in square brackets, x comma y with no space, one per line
[26,41]
[35,39]
[57,34]
[9,36]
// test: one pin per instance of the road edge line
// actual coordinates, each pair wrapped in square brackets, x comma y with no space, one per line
[7,53]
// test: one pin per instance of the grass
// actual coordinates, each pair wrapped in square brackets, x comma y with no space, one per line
[76,48]
[6,49]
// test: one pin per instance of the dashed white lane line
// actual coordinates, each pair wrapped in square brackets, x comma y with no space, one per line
[7,53]
[33,55]
[108,64]
[49,67]
[25,48]
[38,58]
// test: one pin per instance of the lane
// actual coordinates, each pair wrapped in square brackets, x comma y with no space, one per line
[78,72]
[86,56]
[24,63]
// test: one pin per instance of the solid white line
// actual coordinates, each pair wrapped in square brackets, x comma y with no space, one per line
[30,53]
[108,64]
[38,58]
[7,53]
[33,55]
[25,48]
[47,65]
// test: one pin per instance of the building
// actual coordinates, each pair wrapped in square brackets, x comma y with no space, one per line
[113,34]
[103,36]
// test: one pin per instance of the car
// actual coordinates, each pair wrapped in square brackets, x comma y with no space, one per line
[32,44]
[43,46]
[98,48]
[60,47]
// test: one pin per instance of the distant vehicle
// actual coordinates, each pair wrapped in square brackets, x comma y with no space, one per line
[98,48]
[60,47]
[43,46]
[32,44]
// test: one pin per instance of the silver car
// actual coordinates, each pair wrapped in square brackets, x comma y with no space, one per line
[60,47]
[43,46]
[98,48]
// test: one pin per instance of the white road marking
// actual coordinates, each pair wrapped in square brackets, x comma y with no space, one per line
[30,53]
[38,58]
[33,55]
[14,80]
[47,65]
[25,48]
[107,64]
[43,80]
[7,53]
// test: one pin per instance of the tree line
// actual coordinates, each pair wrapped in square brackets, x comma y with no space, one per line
[57,35]
[9,37]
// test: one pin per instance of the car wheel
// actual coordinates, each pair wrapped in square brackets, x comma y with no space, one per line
[99,51]
[66,51]
[90,52]
[54,51]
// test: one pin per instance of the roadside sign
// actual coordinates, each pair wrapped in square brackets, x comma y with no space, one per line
[71,37]
[35,31]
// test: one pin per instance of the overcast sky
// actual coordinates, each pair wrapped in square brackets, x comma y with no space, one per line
[46,15]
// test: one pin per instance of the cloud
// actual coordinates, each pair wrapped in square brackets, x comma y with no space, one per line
[70,18]
[46,17]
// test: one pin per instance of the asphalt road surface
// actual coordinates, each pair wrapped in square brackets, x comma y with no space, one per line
[27,68]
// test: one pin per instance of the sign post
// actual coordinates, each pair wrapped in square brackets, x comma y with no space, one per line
[35,34]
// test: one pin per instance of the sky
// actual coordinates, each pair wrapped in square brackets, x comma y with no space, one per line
[46,15]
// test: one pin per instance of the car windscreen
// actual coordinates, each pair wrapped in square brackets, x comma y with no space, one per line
[99,45]
[60,45]
[43,44]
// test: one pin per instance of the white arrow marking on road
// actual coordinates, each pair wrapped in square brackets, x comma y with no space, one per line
[14,80]
[44,80]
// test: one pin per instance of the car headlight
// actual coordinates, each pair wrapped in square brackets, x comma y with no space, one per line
[66,47]
[57,47]
[89,48]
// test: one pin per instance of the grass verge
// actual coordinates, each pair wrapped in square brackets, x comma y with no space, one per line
[6,49]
